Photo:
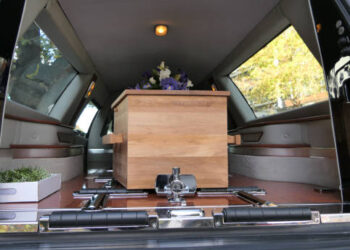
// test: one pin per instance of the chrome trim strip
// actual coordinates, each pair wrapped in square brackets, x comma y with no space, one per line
[19,227]
[214,194]
[128,195]
[100,151]
[185,222]
[335,218]
[103,180]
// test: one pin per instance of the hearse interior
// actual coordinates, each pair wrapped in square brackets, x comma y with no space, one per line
[261,140]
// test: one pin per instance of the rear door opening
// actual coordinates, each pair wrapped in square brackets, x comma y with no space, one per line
[286,116]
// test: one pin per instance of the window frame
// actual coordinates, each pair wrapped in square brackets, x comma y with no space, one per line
[110,118]
[48,114]
[64,90]
[240,92]
[252,55]
[83,101]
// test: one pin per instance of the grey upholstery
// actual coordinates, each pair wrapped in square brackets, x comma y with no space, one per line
[317,171]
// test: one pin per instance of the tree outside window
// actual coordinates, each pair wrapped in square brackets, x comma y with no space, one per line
[283,75]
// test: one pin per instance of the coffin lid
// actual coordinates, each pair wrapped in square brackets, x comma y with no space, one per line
[168,92]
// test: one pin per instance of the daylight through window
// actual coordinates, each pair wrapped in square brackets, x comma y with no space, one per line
[39,72]
[86,117]
[283,75]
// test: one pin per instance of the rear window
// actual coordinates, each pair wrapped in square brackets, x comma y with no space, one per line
[283,75]
[39,72]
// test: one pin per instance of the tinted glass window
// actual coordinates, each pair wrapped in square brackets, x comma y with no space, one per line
[283,75]
[39,72]
[86,117]
[110,128]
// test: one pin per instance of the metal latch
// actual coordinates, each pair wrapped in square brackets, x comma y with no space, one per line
[184,218]
[176,186]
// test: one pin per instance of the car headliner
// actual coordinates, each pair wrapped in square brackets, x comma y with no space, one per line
[119,34]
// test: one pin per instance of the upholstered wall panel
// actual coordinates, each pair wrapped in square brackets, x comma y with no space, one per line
[313,133]
[18,132]
[318,171]
[68,167]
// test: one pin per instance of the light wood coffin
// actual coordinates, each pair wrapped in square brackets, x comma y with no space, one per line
[156,130]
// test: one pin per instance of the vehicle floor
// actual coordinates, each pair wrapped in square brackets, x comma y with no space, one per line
[277,192]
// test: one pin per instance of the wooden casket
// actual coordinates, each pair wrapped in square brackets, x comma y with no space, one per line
[156,130]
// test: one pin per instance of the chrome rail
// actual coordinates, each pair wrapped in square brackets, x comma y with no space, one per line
[171,218]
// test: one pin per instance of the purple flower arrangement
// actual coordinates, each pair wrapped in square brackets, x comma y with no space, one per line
[162,78]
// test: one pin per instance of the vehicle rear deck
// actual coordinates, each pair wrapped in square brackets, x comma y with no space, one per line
[281,193]
[74,58]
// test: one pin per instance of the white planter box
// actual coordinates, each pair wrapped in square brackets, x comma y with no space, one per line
[29,191]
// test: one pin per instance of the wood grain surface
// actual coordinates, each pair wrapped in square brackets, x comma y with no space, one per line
[112,139]
[164,131]
[168,92]
[154,201]
[278,192]
[234,139]
[48,122]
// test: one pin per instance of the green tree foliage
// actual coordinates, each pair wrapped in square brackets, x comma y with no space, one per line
[49,52]
[42,45]
[284,70]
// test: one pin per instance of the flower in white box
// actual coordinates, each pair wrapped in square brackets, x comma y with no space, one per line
[27,184]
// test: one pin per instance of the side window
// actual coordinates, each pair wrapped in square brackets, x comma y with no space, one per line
[86,117]
[39,73]
[108,128]
[281,76]
[108,125]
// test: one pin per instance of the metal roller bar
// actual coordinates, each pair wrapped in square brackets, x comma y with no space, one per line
[266,216]
[65,220]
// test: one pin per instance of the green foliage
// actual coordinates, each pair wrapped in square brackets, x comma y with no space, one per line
[35,73]
[49,52]
[39,72]
[24,174]
[283,70]
[37,38]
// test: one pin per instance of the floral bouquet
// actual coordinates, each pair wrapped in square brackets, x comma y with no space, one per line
[161,78]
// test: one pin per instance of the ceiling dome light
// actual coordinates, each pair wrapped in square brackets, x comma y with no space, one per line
[161,30]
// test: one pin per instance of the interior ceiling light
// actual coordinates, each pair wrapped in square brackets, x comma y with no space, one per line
[91,86]
[161,30]
[90,89]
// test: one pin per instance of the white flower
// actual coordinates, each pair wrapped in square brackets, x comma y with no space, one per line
[152,80]
[189,84]
[163,74]
[162,65]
